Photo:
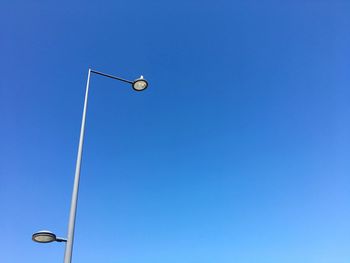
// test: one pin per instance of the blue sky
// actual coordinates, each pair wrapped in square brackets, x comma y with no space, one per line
[238,151]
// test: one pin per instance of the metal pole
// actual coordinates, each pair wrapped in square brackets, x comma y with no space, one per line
[73,208]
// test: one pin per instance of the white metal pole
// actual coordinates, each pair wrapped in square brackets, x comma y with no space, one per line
[73,208]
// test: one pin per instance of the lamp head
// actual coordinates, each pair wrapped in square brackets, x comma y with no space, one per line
[140,84]
[44,236]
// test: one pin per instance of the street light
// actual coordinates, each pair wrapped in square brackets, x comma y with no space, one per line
[139,84]
[45,236]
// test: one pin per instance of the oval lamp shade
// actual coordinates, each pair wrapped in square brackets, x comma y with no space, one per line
[44,236]
[140,84]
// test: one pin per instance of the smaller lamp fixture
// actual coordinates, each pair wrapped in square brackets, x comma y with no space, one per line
[140,84]
[45,236]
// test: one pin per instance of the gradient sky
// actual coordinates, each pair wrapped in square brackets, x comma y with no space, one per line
[237,152]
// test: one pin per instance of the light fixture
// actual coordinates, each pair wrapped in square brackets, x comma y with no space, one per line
[45,236]
[140,84]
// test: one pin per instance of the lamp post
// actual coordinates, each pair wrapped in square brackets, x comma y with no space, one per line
[44,236]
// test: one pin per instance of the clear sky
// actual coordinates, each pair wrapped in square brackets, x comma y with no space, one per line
[237,152]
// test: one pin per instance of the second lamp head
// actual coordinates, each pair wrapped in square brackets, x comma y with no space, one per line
[140,84]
